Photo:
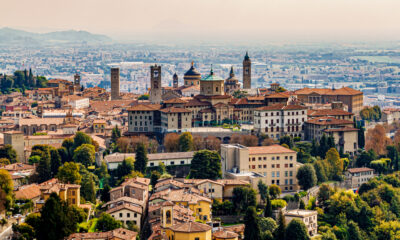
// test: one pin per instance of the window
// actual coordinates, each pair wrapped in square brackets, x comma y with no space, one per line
[291,157]
[286,157]
[151,164]
[291,165]
[272,174]
[120,215]
[278,165]
[291,173]
[182,162]
[286,173]
[128,215]
[273,166]
[277,174]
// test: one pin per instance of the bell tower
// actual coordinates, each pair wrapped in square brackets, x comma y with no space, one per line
[246,72]
[167,212]
[175,81]
[114,83]
[155,83]
[77,79]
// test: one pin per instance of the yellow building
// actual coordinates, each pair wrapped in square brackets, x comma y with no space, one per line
[212,85]
[99,126]
[67,192]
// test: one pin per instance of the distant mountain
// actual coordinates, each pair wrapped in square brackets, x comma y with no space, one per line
[10,36]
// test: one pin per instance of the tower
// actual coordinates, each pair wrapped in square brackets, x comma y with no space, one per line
[246,72]
[77,79]
[175,81]
[192,77]
[167,216]
[155,84]
[114,83]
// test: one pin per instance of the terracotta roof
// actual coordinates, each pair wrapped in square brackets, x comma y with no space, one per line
[190,227]
[18,167]
[119,157]
[344,129]
[28,192]
[175,100]
[228,182]
[125,206]
[281,106]
[328,112]
[328,121]
[225,234]
[40,121]
[273,149]
[145,107]
[125,200]
[357,170]
[279,95]
[175,110]
[327,91]
[195,102]
[119,233]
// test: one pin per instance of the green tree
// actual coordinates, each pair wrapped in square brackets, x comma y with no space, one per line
[186,142]
[206,164]
[8,152]
[323,146]
[68,144]
[306,176]
[81,138]
[105,193]
[243,197]
[361,137]
[141,158]
[262,190]
[88,188]
[279,233]
[314,148]
[268,208]
[55,162]
[274,191]
[107,223]
[286,140]
[324,193]
[329,235]
[69,173]
[252,228]
[354,231]
[126,167]
[336,163]
[267,224]
[6,190]
[115,134]
[154,178]
[4,161]
[43,169]
[393,154]
[56,221]
[296,230]
[85,154]
[302,205]
[320,171]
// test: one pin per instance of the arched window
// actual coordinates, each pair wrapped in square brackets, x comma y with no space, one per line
[168,217]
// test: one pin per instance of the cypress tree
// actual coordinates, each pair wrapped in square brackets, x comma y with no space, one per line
[141,158]
[279,232]
[268,207]
[252,228]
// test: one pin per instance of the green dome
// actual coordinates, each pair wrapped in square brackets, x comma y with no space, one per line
[212,77]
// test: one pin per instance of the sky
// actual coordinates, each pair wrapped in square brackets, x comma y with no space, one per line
[329,20]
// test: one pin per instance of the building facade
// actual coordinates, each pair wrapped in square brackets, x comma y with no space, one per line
[246,72]
[114,83]
[155,83]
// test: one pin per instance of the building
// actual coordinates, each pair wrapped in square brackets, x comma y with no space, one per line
[99,126]
[189,230]
[69,193]
[155,83]
[175,119]
[279,120]
[116,234]
[76,102]
[127,213]
[276,164]
[144,118]
[136,188]
[351,97]
[16,140]
[343,131]
[192,77]
[308,217]
[167,158]
[231,83]
[336,113]
[212,85]
[115,83]
[246,72]
[355,177]
[175,81]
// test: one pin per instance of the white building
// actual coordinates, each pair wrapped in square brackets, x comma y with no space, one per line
[355,177]
[279,120]
[308,217]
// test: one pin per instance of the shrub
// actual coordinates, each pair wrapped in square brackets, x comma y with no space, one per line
[278,203]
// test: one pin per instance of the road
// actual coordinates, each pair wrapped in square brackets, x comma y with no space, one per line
[6,234]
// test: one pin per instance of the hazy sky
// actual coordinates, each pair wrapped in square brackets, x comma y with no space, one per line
[203,19]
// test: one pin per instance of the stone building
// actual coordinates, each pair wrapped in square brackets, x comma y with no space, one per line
[348,96]
[246,72]
[192,77]
[212,85]
[175,119]
[279,120]
[155,83]
[231,83]
[115,83]
[175,81]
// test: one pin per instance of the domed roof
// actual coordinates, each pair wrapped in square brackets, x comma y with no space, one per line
[232,76]
[212,77]
[192,71]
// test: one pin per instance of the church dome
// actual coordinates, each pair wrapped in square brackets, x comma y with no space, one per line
[192,71]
